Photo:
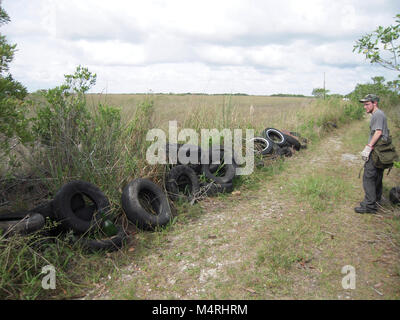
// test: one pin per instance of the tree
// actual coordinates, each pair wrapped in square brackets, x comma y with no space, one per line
[320,92]
[382,46]
[378,87]
[13,122]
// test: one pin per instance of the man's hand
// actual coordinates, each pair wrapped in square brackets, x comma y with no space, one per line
[366,152]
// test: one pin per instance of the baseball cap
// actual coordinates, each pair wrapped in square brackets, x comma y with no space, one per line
[370,97]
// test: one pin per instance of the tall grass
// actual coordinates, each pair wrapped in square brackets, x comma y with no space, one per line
[79,137]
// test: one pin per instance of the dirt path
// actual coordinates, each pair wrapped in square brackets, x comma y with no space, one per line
[283,236]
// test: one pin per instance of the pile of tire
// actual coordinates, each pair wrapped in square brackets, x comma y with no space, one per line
[82,208]
[274,142]
[204,174]
[147,205]
[210,173]
[78,206]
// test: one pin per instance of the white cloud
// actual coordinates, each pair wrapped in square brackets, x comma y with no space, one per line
[252,46]
[112,52]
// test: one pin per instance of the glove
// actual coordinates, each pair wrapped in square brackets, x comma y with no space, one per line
[366,152]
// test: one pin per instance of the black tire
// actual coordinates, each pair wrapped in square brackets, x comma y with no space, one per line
[45,209]
[186,149]
[212,189]
[29,224]
[182,176]
[292,141]
[140,190]
[283,151]
[223,155]
[109,244]
[86,213]
[275,136]
[265,145]
[303,141]
[210,171]
[5,216]
[288,152]
[296,134]
[63,205]
[394,195]
[77,202]
[80,209]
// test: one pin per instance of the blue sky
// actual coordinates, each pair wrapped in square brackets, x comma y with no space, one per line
[248,46]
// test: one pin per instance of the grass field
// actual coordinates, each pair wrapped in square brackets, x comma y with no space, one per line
[286,233]
[182,108]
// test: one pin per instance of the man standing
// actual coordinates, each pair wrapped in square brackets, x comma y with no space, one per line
[372,178]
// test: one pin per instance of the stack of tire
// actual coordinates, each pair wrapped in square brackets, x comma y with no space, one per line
[82,208]
[78,206]
[275,142]
[146,204]
[216,168]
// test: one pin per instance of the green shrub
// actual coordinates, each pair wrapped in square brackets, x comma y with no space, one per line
[14,125]
[21,262]
[63,118]
[91,144]
[353,111]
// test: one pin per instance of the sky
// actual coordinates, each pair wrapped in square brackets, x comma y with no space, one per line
[258,47]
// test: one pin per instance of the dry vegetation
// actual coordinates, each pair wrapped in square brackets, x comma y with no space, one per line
[285,235]
[209,109]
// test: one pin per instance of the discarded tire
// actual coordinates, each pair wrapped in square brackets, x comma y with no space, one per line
[28,224]
[292,141]
[80,209]
[303,141]
[5,216]
[394,195]
[145,204]
[218,154]
[275,136]
[63,205]
[283,151]
[85,213]
[45,209]
[262,145]
[182,183]
[108,244]
[181,151]
[77,202]
[221,172]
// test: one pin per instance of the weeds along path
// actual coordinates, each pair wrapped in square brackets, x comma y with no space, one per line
[287,235]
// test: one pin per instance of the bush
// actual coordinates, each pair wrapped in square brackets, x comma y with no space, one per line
[21,262]
[61,125]
[353,111]
[73,141]
[91,144]
[63,118]
[14,126]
